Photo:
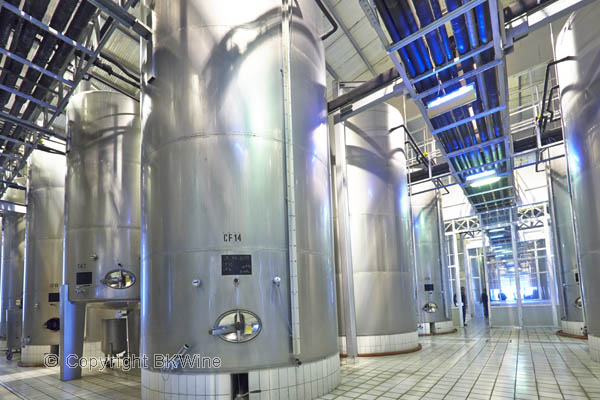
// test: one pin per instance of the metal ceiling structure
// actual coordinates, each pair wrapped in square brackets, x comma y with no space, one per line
[439,49]
[433,60]
[47,48]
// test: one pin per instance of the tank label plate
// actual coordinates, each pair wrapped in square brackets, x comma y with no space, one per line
[236,264]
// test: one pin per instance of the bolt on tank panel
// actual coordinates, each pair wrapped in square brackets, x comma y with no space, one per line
[102,202]
[43,248]
[214,215]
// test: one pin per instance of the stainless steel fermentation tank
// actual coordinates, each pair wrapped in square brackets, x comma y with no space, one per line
[102,210]
[43,248]
[102,198]
[11,275]
[215,221]
[431,282]
[579,82]
[379,226]
[566,256]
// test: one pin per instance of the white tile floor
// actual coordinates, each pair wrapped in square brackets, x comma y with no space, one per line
[474,364]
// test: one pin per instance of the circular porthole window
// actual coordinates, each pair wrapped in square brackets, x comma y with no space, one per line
[430,307]
[119,279]
[237,326]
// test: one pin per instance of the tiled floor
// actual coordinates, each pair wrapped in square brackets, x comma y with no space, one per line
[474,364]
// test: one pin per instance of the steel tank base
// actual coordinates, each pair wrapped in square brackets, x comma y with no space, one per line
[33,355]
[572,329]
[594,346]
[436,328]
[310,380]
[380,345]
[93,349]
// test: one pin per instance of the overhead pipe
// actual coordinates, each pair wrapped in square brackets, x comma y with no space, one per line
[397,25]
[8,23]
[101,62]
[520,7]
[461,34]
[390,11]
[334,25]
[434,41]
[58,22]
[362,91]
[20,45]
[450,53]
[463,44]
[489,151]
[91,75]
[85,12]
[412,63]
[59,59]
[482,15]
[409,25]
[98,63]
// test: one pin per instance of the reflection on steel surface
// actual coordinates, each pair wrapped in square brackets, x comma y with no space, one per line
[579,82]
[213,182]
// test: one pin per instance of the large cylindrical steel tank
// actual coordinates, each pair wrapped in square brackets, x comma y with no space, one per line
[380,238]
[102,198]
[566,257]
[431,281]
[214,210]
[13,247]
[579,82]
[43,248]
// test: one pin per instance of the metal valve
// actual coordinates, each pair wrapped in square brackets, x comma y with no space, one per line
[237,326]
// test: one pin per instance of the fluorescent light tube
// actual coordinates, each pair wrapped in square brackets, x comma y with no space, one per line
[485,181]
[458,98]
[479,175]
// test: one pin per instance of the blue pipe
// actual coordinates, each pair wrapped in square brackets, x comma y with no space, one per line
[419,52]
[459,26]
[437,13]
[389,24]
[400,23]
[412,28]
[461,36]
[419,56]
[482,16]
[434,42]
